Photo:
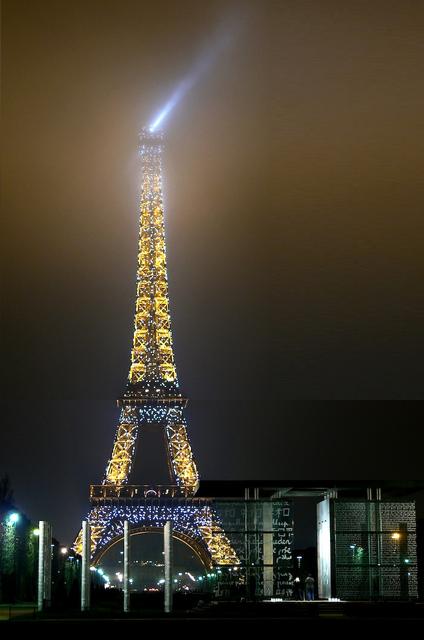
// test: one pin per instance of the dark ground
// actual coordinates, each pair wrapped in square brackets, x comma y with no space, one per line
[321,615]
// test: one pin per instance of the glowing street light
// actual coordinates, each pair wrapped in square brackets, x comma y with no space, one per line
[13,518]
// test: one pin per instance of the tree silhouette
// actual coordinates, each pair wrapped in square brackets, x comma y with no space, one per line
[6,492]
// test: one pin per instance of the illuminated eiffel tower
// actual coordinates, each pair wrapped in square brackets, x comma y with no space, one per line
[153,399]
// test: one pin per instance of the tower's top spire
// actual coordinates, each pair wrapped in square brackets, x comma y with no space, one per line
[150,146]
[152,377]
[150,136]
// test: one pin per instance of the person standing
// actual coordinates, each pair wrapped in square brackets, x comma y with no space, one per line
[310,587]
[297,589]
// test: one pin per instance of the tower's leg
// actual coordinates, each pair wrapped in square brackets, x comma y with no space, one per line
[127,552]
[183,466]
[44,565]
[124,447]
[97,529]
[217,543]
[85,567]
[168,565]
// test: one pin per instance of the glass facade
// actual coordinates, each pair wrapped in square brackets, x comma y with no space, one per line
[372,552]
[261,534]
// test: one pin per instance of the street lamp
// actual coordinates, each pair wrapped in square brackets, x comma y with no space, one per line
[396,547]
[13,518]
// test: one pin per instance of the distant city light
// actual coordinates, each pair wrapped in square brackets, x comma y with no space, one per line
[63,550]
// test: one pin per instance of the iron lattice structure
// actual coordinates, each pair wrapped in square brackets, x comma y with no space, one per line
[153,397]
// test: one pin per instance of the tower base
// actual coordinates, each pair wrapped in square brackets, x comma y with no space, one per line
[194,522]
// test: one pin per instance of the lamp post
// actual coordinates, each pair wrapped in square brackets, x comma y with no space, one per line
[9,561]
[13,518]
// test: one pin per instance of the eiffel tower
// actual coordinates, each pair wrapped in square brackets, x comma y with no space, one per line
[152,400]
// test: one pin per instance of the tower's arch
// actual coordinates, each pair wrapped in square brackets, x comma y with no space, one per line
[199,549]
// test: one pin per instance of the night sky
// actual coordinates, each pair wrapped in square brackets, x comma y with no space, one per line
[294,212]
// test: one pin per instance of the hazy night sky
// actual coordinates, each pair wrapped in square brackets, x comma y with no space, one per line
[294,208]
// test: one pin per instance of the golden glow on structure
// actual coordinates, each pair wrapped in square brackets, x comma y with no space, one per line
[219,547]
[152,355]
[123,451]
[96,532]
[182,466]
[180,454]
[152,394]
[152,397]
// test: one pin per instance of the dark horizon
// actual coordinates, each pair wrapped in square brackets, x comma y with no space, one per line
[293,205]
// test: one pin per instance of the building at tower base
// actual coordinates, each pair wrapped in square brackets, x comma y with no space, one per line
[367,549]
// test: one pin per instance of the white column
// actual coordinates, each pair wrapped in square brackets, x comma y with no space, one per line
[324,532]
[85,567]
[167,543]
[44,565]
[126,566]
[268,549]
